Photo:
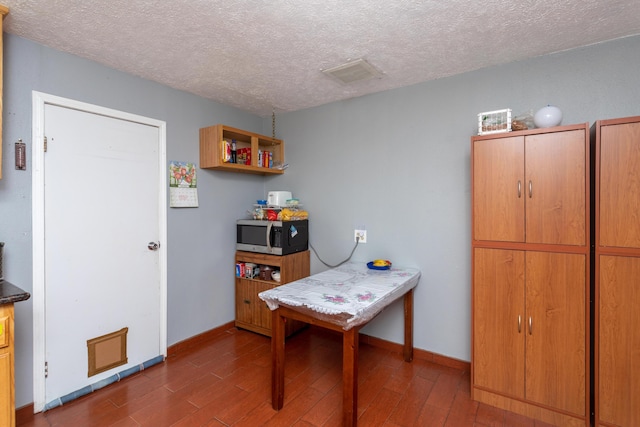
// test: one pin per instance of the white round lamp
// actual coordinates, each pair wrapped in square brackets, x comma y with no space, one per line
[547,117]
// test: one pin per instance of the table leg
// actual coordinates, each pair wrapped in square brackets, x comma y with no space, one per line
[277,360]
[408,326]
[350,377]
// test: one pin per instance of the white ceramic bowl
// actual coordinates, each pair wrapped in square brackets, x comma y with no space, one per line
[275,275]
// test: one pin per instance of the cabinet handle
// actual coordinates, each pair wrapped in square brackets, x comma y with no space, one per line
[530,189]
[519,323]
[519,189]
[247,301]
[530,325]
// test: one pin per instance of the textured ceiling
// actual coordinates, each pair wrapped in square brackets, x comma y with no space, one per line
[263,56]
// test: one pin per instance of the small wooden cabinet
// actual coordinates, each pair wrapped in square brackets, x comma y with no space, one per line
[616,145]
[530,273]
[7,380]
[250,146]
[251,312]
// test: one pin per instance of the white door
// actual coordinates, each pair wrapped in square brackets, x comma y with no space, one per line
[102,206]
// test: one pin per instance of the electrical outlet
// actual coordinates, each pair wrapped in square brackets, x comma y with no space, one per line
[362,234]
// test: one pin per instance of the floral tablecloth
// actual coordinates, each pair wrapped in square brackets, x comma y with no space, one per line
[349,295]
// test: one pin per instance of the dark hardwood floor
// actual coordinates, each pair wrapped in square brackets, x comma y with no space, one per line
[226,381]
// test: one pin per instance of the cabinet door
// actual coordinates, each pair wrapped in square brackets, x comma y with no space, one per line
[556,188]
[250,309]
[619,341]
[556,330]
[620,185]
[244,300]
[498,189]
[498,321]
[6,390]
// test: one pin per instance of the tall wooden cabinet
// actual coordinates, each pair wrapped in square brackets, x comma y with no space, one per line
[616,145]
[530,280]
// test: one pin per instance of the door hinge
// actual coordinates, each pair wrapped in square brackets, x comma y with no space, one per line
[45,144]
[46,369]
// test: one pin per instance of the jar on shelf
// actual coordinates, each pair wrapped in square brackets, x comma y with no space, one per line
[265,272]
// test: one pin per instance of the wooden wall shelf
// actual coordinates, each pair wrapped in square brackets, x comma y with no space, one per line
[213,140]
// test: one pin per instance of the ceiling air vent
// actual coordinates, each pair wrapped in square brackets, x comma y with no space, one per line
[353,71]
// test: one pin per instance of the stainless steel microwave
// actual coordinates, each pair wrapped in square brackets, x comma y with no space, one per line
[272,237]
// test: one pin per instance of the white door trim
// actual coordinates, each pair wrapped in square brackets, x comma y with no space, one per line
[39,100]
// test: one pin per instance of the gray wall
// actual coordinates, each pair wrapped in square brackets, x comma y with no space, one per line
[200,280]
[396,163]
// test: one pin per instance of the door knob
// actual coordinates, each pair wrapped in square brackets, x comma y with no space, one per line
[153,246]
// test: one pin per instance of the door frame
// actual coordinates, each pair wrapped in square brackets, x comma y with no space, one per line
[39,100]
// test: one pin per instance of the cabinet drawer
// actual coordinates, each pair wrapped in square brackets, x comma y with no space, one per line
[4,331]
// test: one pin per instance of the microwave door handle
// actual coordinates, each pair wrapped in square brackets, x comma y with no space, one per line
[269,226]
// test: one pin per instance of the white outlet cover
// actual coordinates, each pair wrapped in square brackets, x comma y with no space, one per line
[362,234]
